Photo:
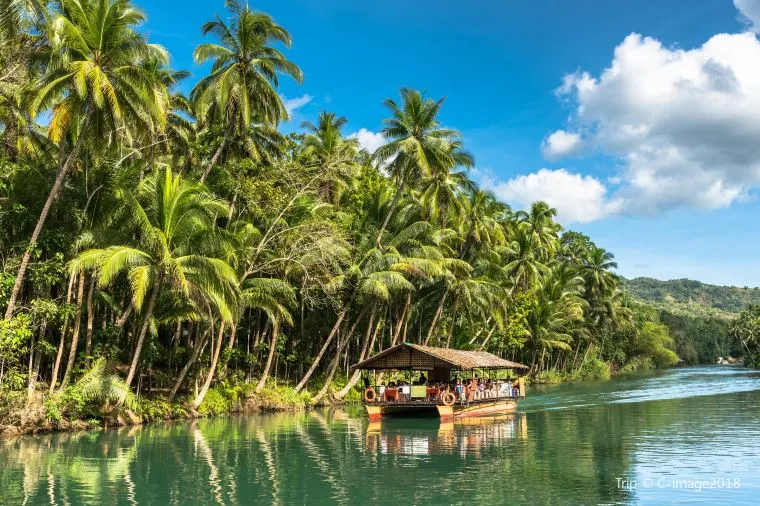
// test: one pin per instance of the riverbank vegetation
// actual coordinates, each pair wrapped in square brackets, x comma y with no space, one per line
[169,255]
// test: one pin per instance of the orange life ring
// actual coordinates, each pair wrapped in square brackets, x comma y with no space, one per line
[449,398]
[370,395]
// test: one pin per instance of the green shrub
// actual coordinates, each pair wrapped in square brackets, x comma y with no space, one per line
[593,370]
[551,376]
[637,364]
[11,403]
[216,403]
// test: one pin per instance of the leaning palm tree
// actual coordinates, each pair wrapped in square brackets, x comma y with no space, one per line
[174,222]
[374,276]
[95,85]
[242,87]
[274,297]
[417,144]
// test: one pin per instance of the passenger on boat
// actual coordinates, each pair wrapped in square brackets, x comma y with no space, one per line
[422,380]
[460,389]
[406,391]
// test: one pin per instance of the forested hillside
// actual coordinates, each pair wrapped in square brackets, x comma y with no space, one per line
[690,296]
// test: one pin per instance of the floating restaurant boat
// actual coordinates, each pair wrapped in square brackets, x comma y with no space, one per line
[452,389]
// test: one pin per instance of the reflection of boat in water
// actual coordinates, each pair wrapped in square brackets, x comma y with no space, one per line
[440,395]
[468,436]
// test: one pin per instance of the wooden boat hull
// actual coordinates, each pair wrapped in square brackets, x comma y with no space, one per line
[482,408]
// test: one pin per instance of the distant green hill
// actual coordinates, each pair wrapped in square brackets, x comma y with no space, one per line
[694,298]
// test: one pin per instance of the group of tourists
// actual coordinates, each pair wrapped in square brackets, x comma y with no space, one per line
[466,390]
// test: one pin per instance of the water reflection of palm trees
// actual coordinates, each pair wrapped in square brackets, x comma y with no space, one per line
[467,437]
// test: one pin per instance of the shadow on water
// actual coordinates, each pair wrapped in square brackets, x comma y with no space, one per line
[568,444]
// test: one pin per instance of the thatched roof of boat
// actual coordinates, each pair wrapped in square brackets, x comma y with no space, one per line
[427,358]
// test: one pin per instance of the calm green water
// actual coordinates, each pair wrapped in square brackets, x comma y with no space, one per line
[570,444]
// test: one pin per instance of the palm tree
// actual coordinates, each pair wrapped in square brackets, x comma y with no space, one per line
[539,223]
[480,221]
[242,87]
[274,297]
[375,276]
[417,143]
[174,222]
[442,193]
[524,267]
[557,311]
[93,84]
[325,148]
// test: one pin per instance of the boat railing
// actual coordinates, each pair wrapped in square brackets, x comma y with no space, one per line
[434,396]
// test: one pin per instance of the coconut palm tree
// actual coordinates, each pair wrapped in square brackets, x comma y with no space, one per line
[241,89]
[177,249]
[539,223]
[557,311]
[442,193]
[417,143]
[325,148]
[375,276]
[94,84]
[524,267]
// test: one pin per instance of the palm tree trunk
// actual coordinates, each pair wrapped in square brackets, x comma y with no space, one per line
[301,384]
[331,372]
[436,316]
[218,153]
[62,343]
[32,373]
[90,316]
[123,318]
[401,319]
[270,356]
[230,345]
[196,351]
[453,323]
[336,360]
[63,169]
[488,338]
[367,348]
[212,368]
[396,197]
[75,334]
[143,333]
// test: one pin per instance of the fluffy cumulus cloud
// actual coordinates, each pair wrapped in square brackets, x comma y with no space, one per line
[685,124]
[750,9]
[368,139]
[293,104]
[576,197]
[560,144]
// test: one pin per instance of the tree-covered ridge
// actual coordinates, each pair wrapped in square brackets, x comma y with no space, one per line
[692,296]
[196,249]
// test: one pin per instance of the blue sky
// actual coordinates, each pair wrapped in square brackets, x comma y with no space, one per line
[654,159]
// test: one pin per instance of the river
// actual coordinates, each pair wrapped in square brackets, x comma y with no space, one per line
[688,435]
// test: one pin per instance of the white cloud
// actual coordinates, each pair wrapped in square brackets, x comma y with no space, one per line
[684,123]
[750,9]
[577,198]
[292,104]
[561,143]
[369,140]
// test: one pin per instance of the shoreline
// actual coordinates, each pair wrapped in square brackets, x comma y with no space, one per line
[33,418]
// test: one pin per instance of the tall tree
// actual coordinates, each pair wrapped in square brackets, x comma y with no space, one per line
[174,223]
[93,84]
[417,143]
[242,87]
